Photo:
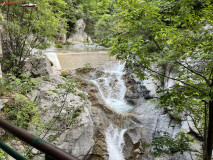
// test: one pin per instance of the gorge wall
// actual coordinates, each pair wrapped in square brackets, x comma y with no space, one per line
[142,124]
[99,129]
[80,36]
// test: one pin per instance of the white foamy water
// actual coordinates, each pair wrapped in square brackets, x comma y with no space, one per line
[115,143]
[52,56]
[112,88]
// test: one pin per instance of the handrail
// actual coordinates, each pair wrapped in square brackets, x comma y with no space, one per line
[36,142]
[11,152]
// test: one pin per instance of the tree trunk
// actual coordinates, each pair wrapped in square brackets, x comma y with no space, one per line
[210,133]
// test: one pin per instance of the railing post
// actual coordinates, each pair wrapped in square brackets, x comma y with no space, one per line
[47,157]
[36,142]
[11,152]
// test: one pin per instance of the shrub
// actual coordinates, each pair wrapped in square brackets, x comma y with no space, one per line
[58,45]
[64,74]
[21,111]
[22,84]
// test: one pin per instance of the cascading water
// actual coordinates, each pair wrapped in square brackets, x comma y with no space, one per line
[112,89]
[115,143]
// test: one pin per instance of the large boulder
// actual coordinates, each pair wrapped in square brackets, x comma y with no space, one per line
[73,137]
[39,65]
[79,37]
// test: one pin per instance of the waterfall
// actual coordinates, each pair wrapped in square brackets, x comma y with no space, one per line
[115,143]
[112,88]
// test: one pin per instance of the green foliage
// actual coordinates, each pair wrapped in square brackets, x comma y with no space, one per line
[11,84]
[21,111]
[152,33]
[72,14]
[3,155]
[105,26]
[58,45]
[166,144]
[1,18]
[87,68]
[68,87]
[93,11]
[83,96]
[64,74]
[66,113]
[26,28]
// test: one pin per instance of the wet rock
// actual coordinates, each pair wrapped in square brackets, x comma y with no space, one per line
[134,89]
[100,148]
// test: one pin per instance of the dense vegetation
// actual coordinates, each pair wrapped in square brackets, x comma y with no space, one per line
[175,35]
[26,28]
[152,36]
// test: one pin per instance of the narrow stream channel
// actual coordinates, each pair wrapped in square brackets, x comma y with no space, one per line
[111,86]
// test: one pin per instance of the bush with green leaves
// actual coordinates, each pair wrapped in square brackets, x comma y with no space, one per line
[166,144]
[87,68]
[3,155]
[21,111]
[22,84]
[26,28]
[58,45]
[105,27]
[177,34]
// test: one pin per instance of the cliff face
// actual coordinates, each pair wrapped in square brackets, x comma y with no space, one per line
[79,37]
[86,138]
[143,123]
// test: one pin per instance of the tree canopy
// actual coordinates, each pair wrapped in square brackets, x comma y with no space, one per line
[159,34]
[26,28]
[152,36]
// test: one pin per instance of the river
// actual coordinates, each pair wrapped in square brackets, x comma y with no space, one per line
[77,56]
[111,86]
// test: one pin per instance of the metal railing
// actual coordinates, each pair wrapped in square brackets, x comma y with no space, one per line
[50,151]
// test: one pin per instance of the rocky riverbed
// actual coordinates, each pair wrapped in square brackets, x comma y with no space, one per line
[99,119]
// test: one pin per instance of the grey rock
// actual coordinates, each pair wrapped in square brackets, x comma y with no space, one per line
[75,139]
[38,158]
[79,36]
[185,127]
[38,65]
[16,145]
[86,139]
[178,156]
[2,102]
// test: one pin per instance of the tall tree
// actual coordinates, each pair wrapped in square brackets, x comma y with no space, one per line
[26,28]
[176,34]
